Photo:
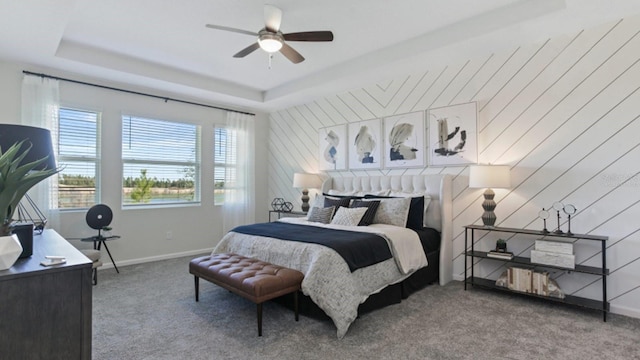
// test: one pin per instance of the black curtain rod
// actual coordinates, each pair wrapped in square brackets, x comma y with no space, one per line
[134,92]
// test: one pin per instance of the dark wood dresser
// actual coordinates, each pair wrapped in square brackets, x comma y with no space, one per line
[45,312]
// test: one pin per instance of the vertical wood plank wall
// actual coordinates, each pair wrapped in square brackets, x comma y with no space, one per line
[564,114]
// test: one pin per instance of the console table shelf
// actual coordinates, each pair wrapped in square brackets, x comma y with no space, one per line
[568,299]
[601,271]
[526,261]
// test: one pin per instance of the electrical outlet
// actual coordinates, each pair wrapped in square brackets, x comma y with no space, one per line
[169,235]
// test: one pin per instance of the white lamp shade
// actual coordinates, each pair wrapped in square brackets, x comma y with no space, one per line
[489,176]
[306,181]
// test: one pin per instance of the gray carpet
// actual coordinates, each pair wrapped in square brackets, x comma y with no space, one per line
[148,311]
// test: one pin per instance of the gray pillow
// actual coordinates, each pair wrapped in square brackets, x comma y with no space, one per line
[321,215]
[393,211]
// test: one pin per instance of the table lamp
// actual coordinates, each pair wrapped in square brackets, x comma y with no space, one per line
[306,182]
[489,176]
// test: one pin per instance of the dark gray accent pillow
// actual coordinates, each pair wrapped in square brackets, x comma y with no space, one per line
[321,215]
[337,202]
[372,206]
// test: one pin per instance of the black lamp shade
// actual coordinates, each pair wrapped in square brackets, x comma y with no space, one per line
[38,138]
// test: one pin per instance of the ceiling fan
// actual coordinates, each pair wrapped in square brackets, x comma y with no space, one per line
[271,39]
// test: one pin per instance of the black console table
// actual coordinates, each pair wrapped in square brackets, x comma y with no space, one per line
[45,312]
[600,271]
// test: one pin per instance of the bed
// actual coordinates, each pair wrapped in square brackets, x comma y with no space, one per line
[332,281]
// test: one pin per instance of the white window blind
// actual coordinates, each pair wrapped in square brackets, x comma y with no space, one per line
[78,155]
[161,162]
[225,161]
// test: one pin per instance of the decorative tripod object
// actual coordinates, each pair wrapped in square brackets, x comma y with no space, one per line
[544,215]
[99,217]
[569,210]
[557,206]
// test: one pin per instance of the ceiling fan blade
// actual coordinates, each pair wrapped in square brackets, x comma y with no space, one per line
[309,36]
[272,18]
[226,28]
[246,51]
[291,54]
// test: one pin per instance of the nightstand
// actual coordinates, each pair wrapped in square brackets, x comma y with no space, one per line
[281,213]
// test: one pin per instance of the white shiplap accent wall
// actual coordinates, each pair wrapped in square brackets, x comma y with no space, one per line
[563,114]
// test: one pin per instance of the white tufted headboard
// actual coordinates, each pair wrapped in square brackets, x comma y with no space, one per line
[439,214]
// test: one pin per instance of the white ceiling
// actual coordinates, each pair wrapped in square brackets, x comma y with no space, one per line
[164,46]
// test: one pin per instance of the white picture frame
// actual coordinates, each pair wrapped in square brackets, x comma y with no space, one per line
[404,140]
[365,144]
[332,148]
[453,135]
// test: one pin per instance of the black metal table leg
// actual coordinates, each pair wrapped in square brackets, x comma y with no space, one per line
[110,257]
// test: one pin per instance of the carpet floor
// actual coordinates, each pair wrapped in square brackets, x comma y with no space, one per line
[148,311]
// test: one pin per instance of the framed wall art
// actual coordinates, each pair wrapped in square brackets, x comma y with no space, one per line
[404,140]
[365,144]
[332,146]
[453,137]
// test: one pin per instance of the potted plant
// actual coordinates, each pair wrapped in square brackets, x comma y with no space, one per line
[501,245]
[15,180]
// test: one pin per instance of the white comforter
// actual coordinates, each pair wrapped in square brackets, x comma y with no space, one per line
[328,280]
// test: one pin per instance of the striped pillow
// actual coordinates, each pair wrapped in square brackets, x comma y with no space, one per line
[372,207]
[321,215]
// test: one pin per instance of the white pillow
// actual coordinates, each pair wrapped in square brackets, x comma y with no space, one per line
[348,216]
[392,211]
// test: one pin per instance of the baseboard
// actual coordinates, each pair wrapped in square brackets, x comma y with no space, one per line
[458,277]
[109,265]
[624,310]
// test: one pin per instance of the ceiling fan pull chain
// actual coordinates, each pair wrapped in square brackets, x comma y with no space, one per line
[270,57]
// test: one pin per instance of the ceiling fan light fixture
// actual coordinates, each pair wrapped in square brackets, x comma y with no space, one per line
[270,43]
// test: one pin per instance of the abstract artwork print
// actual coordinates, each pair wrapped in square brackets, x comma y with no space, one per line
[332,146]
[365,145]
[453,135]
[404,135]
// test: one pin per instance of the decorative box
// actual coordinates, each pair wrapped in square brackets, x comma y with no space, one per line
[554,246]
[555,259]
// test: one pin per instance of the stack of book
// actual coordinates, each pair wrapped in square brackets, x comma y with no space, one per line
[505,255]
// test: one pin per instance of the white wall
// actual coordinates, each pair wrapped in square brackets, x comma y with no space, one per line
[562,113]
[195,228]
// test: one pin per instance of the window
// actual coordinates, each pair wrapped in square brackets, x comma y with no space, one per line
[225,161]
[78,153]
[161,162]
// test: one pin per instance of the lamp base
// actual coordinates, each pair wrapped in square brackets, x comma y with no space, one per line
[305,200]
[489,217]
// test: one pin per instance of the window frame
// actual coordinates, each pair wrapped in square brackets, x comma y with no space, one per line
[197,164]
[61,159]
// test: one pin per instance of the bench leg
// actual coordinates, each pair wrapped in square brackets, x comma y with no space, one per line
[295,303]
[197,283]
[260,319]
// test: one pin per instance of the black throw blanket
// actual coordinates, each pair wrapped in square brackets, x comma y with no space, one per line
[358,249]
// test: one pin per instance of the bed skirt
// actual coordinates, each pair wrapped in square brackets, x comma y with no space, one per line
[392,294]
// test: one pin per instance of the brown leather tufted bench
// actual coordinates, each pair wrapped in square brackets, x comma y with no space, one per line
[250,278]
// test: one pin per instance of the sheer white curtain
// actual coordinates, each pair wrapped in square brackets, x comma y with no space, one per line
[40,105]
[239,184]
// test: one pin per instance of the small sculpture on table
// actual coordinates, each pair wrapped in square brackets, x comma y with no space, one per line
[544,215]
[557,206]
[569,210]
[277,204]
